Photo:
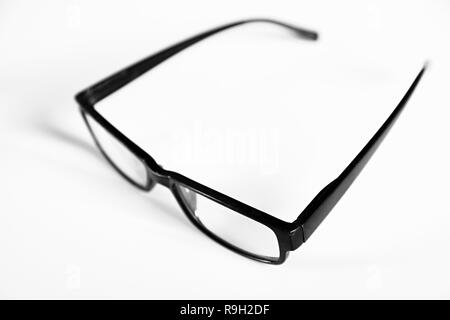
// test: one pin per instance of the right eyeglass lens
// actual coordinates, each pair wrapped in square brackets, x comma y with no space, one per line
[232,227]
[122,158]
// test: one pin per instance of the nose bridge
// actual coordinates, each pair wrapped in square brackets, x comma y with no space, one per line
[156,172]
[161,178]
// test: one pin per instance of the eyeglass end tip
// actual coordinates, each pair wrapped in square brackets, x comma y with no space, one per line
[310,35]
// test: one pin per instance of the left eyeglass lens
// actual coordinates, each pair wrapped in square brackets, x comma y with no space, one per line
[232,227]
[118,154]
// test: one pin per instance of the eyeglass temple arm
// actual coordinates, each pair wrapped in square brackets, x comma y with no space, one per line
[121,78]
[326,199]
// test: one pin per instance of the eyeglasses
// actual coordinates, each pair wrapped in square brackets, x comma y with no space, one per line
[233,224]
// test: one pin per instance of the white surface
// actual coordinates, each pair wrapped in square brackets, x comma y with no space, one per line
[294,113]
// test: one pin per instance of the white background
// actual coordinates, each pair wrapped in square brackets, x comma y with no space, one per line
[296,112]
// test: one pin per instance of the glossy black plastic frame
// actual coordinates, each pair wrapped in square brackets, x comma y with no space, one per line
[290,235]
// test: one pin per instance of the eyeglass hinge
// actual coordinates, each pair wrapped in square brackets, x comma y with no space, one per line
[296,237]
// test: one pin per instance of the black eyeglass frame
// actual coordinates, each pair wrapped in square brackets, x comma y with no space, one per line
[290,235]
